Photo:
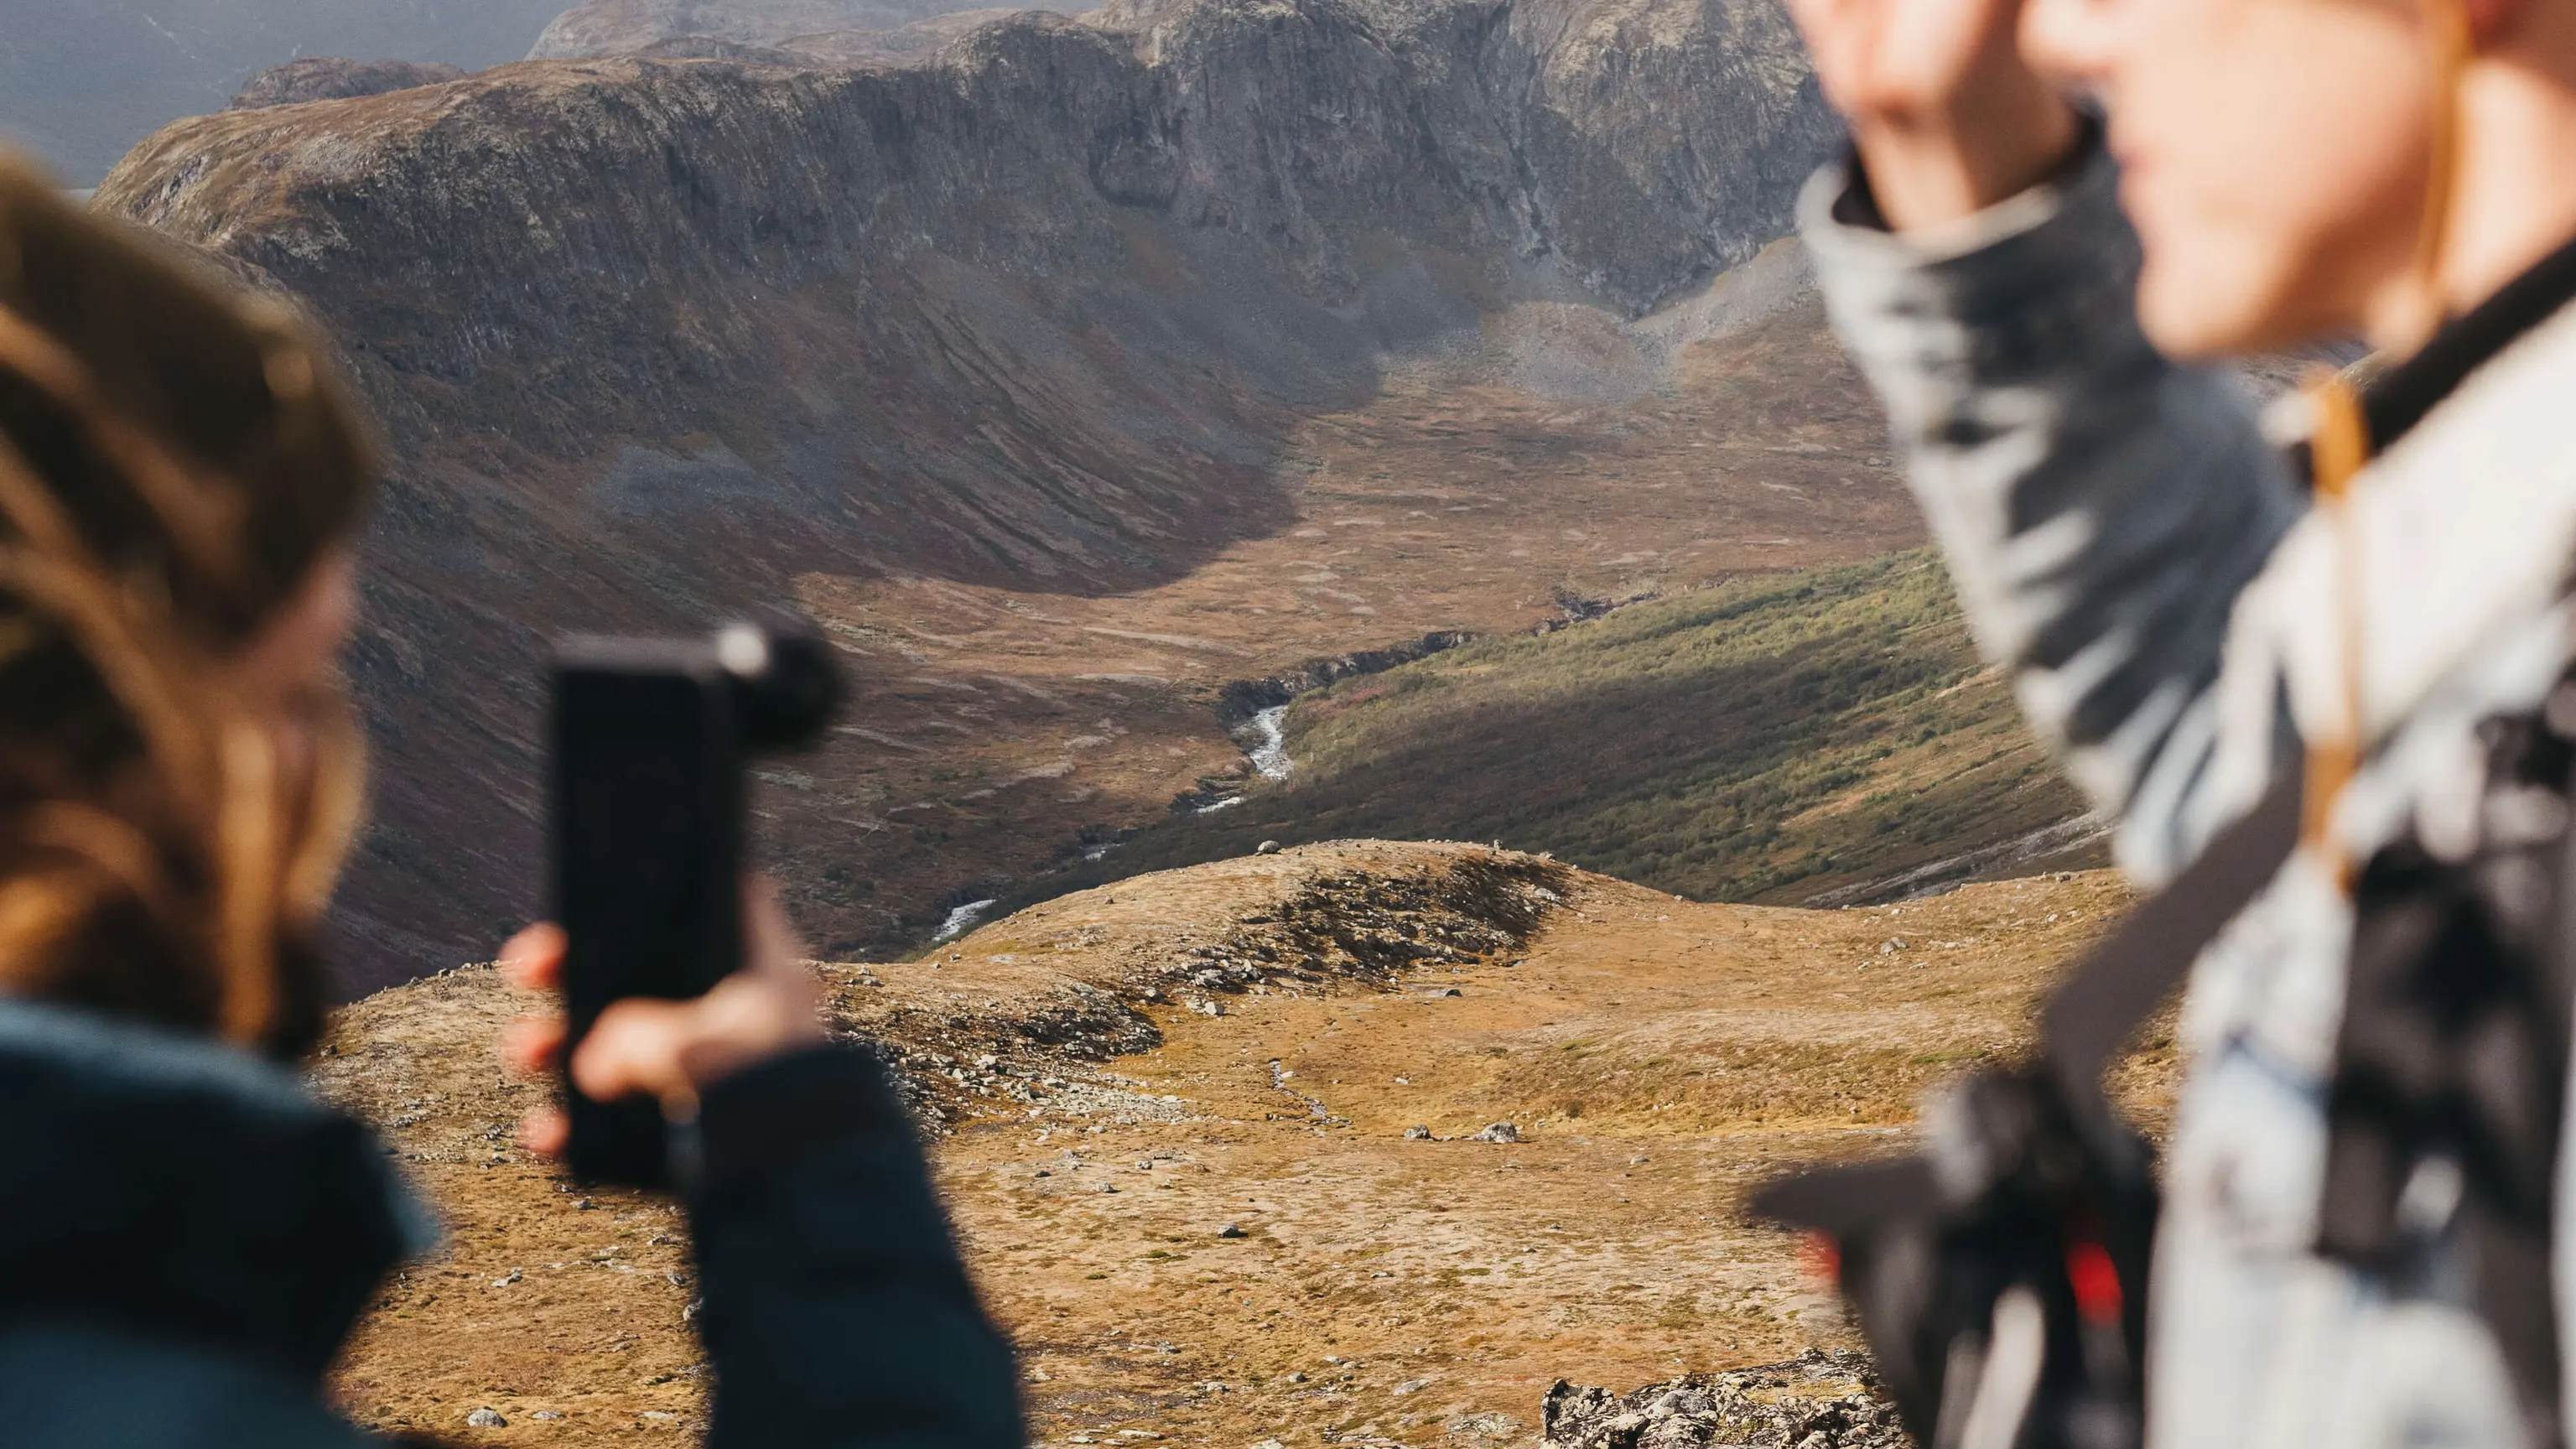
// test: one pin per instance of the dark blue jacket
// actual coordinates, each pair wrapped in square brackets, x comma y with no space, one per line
[186,1236]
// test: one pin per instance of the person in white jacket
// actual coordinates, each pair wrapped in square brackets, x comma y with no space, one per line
[2058,218]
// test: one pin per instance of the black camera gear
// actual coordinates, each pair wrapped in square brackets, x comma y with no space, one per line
[650,737]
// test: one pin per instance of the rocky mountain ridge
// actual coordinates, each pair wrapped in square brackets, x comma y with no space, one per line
[776,32]
[654,338]
[332,78]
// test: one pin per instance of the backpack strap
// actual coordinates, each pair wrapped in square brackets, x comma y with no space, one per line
[2119,984]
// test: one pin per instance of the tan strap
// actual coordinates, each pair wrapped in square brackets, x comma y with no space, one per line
[2337,450]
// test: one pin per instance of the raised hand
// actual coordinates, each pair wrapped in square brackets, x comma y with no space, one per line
[1948,115]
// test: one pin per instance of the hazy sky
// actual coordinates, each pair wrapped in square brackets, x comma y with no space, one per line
[82,80]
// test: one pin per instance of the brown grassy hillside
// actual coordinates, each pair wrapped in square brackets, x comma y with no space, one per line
[1657,1056]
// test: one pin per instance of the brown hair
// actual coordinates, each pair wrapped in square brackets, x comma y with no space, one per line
[175,459]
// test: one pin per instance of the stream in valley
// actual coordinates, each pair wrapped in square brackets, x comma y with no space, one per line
[1270,757]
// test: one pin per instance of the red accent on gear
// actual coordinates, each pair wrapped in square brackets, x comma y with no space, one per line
[1822,1258]
[2096,1281]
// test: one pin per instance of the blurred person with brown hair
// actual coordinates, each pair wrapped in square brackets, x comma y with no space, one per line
[186,1236]
[2058,220]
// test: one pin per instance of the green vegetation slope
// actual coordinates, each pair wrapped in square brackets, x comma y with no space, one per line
[1824,734]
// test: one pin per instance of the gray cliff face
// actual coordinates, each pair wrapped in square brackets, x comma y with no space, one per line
[329,78]
[83,80]
[1605,112]
[651,338]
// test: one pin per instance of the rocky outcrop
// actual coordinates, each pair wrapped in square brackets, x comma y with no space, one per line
[329,78]
[1339,916]
[651,338]
[1822,1400]
[1241,699]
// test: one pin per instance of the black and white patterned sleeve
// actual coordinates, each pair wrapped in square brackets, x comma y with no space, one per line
[2101,508]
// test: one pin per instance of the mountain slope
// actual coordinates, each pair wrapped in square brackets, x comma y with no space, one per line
[1045,311]
[1826,734]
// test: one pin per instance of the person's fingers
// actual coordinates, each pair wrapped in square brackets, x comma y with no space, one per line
[545,1132]
[669,1049]
[531,1045]
[747,1019]
[635,1046]
[533,959]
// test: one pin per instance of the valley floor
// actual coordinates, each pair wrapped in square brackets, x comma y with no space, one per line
[992,733]
[1220,1232]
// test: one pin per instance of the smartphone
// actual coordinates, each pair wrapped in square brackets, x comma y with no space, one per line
[647,857]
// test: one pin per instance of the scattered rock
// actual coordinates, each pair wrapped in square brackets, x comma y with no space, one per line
[1500,1132]
[547,1414]
[1267,847]
[1209,1007]
[1891,945]
[1820,1400]
[486,1419]
[1232,1230]
[1410,1386]
[1417,1134]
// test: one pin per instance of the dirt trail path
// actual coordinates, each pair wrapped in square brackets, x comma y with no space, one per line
[1656,1057]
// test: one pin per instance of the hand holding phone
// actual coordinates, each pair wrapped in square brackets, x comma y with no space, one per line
[665,1051]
